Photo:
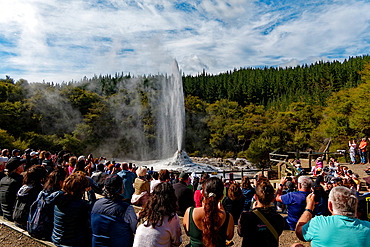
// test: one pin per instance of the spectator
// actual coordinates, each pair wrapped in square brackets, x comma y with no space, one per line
[321,198]
[356,180]
[71,212]
[9,186]
[162,224]
[53,183]
[340,229]
[198,197]
[164,176]
[34,158]
[234,201]
[3,159]
[72,164]
[352,151]
[155,181]
[362,151]
[99,176]
[296,201]
[128,178]
[42,156]
[142,188]
[183,194]
[47,163]
[113,221]
[248,192]
[363,208]
[33,180]
[209,225]
[251,226]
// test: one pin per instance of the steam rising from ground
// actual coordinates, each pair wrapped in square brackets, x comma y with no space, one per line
[149,114]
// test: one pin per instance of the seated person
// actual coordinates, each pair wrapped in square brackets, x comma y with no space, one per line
[340,229]
[253,229]
[113,221]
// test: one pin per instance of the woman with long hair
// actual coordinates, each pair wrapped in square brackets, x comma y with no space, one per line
[234,201]
[198,197]
[209,225]
[44,229]
[162,224]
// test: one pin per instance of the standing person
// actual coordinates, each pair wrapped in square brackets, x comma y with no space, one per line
[257,230]
[162,224]
[198,197]
[352,151]
[71,212]
[296,201]
[209,225]
[99,176]
[155,181]
[164,176]
[362,151]
[128,181]
[341,229]
[33,181]
[47,163]
[183,194]
[234,201]
[3,159]
[248,192]
[142,188]
[113,221]
[9,186]
[71,164]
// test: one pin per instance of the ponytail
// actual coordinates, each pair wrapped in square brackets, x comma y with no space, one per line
[213,193]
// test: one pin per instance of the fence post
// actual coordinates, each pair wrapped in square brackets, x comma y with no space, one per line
[242,174]
[309,160]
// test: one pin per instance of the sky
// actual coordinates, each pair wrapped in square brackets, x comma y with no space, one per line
[59,41]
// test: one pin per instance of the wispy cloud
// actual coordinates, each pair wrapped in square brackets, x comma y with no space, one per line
[62,40]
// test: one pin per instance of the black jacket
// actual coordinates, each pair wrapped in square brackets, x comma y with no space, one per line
[71,219]
[185,197]
[9,186]
[26,195]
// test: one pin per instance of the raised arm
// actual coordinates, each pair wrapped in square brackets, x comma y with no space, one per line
[279,191]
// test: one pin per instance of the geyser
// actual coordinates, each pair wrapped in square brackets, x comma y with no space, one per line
[171,115]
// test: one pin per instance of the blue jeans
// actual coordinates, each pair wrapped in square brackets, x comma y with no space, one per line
[363,157]
[353,158]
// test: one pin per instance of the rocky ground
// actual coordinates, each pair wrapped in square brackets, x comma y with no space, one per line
[11,237]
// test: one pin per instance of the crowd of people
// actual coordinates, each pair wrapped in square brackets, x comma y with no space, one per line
[53,197]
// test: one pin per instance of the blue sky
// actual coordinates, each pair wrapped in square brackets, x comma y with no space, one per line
[53,40]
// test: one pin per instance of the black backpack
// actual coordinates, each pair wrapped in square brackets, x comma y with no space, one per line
[40,218]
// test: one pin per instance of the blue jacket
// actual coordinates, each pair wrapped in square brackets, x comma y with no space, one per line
[108,225]
[71,219]
[128,181]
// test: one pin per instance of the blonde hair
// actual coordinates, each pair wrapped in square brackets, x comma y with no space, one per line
[141,171]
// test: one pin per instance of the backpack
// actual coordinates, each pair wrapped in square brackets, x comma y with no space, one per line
[40,218]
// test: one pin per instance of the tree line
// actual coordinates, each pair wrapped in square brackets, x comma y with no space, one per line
[247,112]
